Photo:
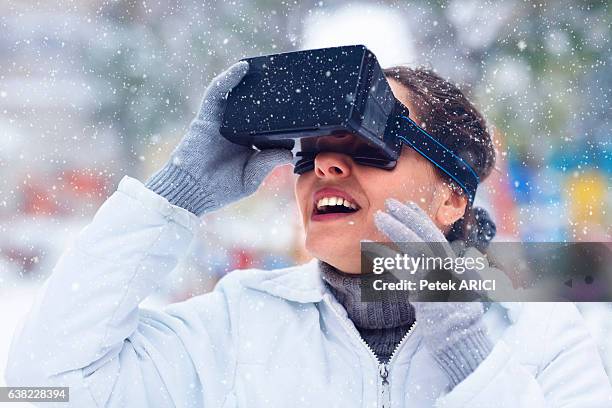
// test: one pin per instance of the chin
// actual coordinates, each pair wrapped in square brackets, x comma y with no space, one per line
[343,256]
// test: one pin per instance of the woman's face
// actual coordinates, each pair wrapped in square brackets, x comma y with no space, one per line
[335,237]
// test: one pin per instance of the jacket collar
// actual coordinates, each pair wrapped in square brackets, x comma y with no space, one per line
[303,284]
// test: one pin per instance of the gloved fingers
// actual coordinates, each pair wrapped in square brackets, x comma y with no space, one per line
[394,229]
[273,157]
[403,237]
[416,219]
[213,102]
[261,163]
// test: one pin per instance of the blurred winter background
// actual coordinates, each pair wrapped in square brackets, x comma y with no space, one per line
[93,90]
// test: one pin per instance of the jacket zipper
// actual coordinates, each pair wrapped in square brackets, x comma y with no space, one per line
[383,368]
[385,397]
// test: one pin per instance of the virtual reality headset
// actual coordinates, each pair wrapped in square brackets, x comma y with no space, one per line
[296,100]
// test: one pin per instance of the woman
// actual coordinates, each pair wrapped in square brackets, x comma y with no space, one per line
[298,336]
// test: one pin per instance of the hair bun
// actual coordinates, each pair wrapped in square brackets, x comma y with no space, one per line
[483,230]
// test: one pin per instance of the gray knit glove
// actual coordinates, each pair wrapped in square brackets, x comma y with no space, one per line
[452,331]
[207,171]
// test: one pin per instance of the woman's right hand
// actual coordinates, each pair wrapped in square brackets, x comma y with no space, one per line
[452,331]
[207,171]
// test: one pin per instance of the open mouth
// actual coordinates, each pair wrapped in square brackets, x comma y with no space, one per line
[334,205]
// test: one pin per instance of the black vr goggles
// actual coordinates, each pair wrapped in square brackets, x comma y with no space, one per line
[292,100]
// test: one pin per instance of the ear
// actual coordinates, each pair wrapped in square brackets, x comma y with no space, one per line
[451,206]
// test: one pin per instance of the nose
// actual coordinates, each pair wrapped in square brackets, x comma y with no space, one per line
[332,165]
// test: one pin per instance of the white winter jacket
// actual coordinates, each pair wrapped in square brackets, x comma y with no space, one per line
[262,338]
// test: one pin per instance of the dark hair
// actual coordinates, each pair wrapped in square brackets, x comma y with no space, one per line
[443,110]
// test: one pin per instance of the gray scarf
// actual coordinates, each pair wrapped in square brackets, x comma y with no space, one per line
[381,323]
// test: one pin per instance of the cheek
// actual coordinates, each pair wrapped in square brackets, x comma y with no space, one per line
[421,191]
[413,180]
[402,184]
[302,192]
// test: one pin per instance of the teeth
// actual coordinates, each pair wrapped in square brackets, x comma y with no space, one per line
[335,201]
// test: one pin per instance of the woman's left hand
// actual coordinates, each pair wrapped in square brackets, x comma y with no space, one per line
[452,331]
